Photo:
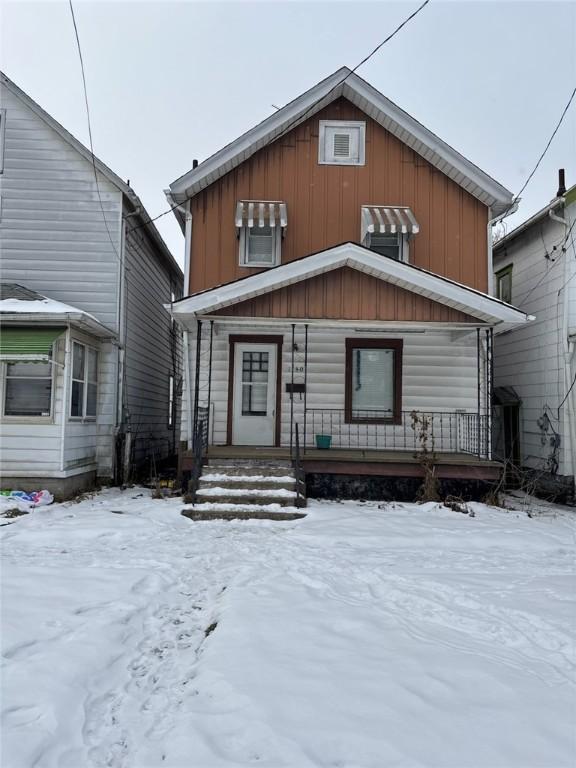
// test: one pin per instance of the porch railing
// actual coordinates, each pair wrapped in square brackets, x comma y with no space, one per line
[199,446]
[448,431]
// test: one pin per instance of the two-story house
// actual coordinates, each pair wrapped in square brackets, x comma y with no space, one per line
[535,365]
[337,283]
[90,362]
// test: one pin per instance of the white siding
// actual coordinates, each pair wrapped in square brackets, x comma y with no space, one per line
[53,238]
[439,372]
[34,448]
[153,348]
[532,358]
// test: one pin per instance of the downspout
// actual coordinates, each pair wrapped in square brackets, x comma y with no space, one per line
[66,374]
[489,239]
[185,210]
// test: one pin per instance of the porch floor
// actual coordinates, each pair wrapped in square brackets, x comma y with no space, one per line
[364,461]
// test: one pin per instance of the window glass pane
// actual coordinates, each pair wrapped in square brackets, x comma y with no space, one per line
[92,365]
[254,383]
[78,361]
[30,370]
[385,245]
[372,383]
[261,244]
[28,397]
[77,398]
[91,395]
[505,287]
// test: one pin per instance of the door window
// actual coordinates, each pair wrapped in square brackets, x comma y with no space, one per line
[254,383]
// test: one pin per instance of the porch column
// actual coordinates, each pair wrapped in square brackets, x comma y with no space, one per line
[209,383]
[478,394]
[292,389]
[196,379]
[305,380]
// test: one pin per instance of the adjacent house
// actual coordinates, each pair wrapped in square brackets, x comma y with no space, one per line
[535,365]
[90,362]
[337,294]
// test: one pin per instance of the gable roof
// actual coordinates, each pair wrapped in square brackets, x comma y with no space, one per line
[554,205]
[130,196]
[347,84]
[485,308]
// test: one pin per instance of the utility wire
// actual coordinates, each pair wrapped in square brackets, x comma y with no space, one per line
[546,148]
[90,129]
[301,117]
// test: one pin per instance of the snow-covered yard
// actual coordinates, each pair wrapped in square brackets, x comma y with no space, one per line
[359,636]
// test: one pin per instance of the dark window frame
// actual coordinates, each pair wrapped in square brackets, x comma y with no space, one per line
[395,344]
[500,275]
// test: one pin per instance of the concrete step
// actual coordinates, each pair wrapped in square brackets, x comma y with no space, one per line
[242,482]
[249,464]
[242,512]
[272,474]
[218,494]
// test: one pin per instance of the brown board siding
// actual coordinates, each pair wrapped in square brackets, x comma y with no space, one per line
[348,294]
[324,204]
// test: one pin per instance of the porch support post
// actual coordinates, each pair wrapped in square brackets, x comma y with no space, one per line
[292,389]
[305,379]
[209,383]
[197,377]
[478,396]
[489,382]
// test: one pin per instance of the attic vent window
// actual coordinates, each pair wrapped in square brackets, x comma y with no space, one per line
[341,142]
[341,145]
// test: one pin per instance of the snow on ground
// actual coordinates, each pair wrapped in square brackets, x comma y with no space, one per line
[401,636]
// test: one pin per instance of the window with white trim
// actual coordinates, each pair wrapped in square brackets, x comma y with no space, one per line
[28,389]
[84,385]
[260,246]
[341,142]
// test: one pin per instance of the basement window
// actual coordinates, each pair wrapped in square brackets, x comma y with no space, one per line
[341,142]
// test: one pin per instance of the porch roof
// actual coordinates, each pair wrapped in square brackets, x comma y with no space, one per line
[487,309]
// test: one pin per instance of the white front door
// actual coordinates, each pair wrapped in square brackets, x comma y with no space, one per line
[254,397]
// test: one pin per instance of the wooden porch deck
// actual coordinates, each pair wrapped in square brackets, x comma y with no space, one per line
[363,461]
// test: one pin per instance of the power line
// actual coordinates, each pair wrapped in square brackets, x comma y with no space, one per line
[546,148]
[90,128]
[301,117]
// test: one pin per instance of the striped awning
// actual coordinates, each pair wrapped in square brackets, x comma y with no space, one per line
[28,343]
[261,213]
[379,218]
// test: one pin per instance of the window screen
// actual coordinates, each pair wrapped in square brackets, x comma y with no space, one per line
[386,245]
[260,245]
[28,389]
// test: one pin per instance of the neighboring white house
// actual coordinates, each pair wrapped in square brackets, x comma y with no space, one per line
[535,364]
[90,367]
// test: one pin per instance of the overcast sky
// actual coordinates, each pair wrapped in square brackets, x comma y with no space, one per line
[170,82]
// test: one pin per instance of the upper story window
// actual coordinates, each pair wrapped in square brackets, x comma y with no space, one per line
[504,284]
[387,230]
[341,142]
[260,224]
